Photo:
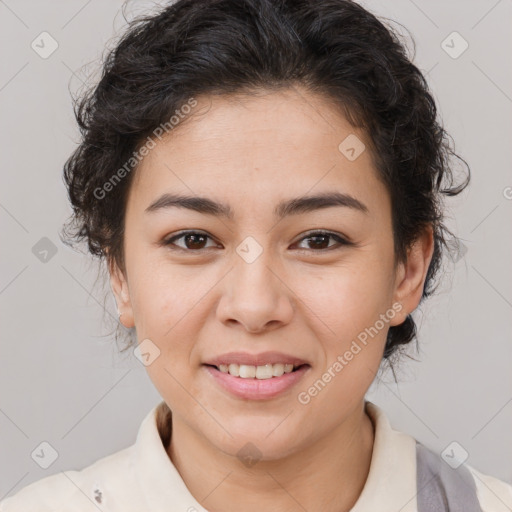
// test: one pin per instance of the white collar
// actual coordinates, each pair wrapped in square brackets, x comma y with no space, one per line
[391,482]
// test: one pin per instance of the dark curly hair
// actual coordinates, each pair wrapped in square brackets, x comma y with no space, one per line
[333,48]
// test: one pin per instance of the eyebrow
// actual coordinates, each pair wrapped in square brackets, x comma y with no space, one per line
[285,208]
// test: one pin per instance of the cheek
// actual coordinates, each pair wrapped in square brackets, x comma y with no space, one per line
[158,292]
[167,311]
[351,305]
[344,301]
[162,305]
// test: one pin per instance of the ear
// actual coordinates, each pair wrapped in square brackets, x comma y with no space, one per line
[410,277]
[119,287]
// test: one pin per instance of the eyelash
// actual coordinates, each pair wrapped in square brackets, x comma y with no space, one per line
[169,242]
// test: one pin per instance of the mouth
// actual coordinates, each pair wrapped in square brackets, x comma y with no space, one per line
[262,382]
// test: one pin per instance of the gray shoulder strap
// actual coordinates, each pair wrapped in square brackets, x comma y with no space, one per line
[441,488]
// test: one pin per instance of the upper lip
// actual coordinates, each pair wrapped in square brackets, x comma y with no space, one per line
[255,359]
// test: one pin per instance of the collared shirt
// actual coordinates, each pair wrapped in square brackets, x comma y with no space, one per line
[404,476]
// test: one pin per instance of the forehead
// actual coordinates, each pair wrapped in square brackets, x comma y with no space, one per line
[266,146]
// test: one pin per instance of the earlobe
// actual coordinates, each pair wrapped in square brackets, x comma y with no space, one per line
[119,287]
[412,274]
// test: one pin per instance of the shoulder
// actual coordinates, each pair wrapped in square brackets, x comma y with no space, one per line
[494,495]
[446,483]
[72,491]
[111,483]
[440,481]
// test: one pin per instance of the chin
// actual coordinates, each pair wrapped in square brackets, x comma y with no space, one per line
[257,439]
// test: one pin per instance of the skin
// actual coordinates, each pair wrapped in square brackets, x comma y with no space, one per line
[251,153]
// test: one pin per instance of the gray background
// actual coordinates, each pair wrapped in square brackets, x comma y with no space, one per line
[62,379]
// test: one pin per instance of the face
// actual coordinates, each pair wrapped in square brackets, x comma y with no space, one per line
[268,284]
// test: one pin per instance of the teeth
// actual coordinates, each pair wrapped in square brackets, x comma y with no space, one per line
[246,371]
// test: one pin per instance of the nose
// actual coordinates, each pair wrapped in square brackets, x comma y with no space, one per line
[255,296]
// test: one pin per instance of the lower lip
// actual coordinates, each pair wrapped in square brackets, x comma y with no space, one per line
[257,389]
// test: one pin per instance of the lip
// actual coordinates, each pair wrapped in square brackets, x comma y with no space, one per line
[255,359]
[256,389]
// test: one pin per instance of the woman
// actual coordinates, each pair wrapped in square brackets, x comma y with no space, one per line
[265,181]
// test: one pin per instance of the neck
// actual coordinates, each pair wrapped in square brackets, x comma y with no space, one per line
[327,476]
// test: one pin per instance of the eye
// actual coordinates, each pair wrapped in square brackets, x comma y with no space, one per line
[193,240]
[318,240]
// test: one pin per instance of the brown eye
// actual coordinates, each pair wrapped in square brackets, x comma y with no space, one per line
[192,240]
[319,241]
